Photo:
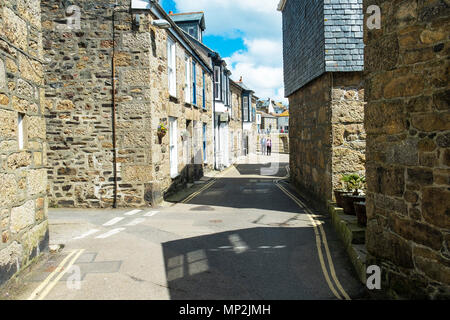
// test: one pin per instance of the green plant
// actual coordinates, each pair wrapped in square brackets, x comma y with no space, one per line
[354,182]
[162,129]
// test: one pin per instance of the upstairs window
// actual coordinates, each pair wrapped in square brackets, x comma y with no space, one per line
[245,108]
[204,90]
[20,130]
[171,67]
[187,81]
[194,83]
[217,87]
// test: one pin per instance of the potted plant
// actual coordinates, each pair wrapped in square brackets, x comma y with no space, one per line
[345,179]
[162,130]
[360,209]
[354,185]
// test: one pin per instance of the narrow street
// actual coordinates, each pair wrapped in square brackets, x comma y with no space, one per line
[240,237]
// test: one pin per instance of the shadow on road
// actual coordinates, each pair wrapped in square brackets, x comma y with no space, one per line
[256,263]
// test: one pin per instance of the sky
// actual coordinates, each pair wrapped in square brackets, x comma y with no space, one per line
[248,35]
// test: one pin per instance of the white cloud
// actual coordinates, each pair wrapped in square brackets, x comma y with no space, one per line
[259,24]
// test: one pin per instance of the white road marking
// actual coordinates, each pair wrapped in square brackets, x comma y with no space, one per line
[151,213]
[135,222]
[86,234]
[113,221]
[279,247]
[110,233]
[264,247]
[133,212]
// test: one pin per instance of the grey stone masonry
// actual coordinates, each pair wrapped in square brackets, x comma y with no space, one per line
[321,36]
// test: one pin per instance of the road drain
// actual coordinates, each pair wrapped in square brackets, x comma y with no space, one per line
[202,208]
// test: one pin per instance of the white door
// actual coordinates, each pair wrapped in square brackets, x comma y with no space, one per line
[173,145]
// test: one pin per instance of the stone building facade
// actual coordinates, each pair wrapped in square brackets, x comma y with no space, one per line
[23,148]
[323,62]
[407,120]
[236,139]
[104,148]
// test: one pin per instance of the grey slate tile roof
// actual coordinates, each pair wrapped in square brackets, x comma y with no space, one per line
[321,36]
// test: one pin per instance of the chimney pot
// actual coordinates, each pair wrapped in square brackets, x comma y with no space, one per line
[170,12]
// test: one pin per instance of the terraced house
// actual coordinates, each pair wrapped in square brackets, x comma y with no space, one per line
[230,136]
[129,104]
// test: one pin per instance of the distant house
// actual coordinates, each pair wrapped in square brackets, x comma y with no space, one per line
[268,123]
[283,122]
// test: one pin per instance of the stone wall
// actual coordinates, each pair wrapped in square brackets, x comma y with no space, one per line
[80,120]
[326,134]
[23,180]
[236,145]
[347,120]
[407,120]
[310,137]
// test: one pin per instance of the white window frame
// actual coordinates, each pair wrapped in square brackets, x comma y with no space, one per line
[217,82]
[173,146]
[20,130]
[171,67]
[187,80]
[246,110]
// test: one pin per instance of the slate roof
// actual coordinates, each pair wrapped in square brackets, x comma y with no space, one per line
[190,16]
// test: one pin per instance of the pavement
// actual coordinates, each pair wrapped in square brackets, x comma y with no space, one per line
[243,234]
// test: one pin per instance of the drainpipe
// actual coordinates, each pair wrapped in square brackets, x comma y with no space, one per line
[212,56]
[114,120]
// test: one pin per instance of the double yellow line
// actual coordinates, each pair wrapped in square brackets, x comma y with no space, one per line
[208,185]
[192,196]
[47,285]
[321,239]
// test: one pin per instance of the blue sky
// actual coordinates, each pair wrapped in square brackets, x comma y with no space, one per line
[248,35]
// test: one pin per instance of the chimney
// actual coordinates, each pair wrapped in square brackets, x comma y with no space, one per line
[171,12]
[240,80]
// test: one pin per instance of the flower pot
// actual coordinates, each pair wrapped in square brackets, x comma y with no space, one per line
[161,135]
[338,195]
[360,209]
[347,203]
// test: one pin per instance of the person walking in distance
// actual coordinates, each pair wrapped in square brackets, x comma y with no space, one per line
[269,147]
[263,145]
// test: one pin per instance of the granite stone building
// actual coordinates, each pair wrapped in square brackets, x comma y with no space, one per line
[323,53]
[407,120]
[23,147]
[113,84]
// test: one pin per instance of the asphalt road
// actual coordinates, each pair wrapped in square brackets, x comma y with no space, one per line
[242,237]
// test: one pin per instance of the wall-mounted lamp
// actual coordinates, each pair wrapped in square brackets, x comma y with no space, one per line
[136,22]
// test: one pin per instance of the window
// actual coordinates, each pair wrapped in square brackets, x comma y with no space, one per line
[20,131]
[173,146]
[171,67]
[191,31]
[204,90]
[187,81]
[245,108]
[204,143]
[194,83]
[224,86]
[217,83]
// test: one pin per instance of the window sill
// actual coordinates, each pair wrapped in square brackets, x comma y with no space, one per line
[173,98]
[204,110]
[174,176]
